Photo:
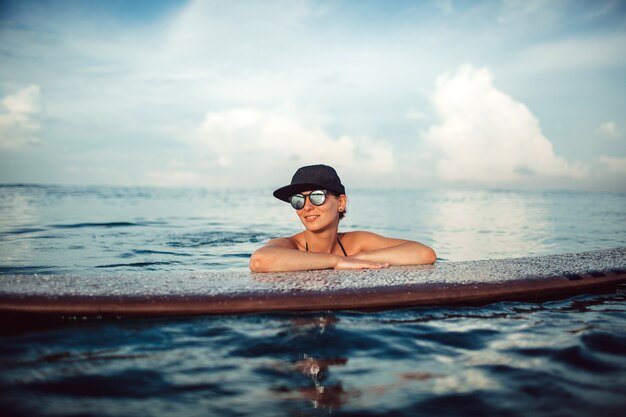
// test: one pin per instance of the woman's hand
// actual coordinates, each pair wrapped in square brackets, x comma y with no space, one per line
[353,263]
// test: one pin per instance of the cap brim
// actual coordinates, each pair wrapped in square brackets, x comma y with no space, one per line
[287,191]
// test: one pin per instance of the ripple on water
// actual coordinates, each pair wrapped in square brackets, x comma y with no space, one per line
[215,238]
[401,363]
[28,270]
[138,384]
[106,225]
[146,265]
[612,344]
[473,340]
[582,360]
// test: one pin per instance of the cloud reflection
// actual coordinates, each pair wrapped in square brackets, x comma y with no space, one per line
[471,225]
[18,221]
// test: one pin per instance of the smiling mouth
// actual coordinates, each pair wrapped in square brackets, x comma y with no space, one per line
[311,218]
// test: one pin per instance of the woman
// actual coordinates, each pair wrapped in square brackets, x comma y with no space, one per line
[317,194]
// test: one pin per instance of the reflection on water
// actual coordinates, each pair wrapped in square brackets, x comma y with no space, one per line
[19,214]
[63,229]
[319,393]
[503,359]
[469,224]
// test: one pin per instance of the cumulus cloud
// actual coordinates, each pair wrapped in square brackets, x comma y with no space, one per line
[243,133]
[486,136]
[445,6]
[529,11]
[616,165]
[609,130]
[18,124]
[414,114]
[566,54]
[172,177]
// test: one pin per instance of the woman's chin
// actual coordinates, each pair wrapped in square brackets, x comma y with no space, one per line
[317,225]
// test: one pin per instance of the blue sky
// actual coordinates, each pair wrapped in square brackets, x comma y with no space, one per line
[504,94]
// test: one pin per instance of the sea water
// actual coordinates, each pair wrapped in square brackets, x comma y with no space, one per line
[560,358]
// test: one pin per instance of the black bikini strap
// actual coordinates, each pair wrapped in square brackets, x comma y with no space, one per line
[338,241]
[344,251]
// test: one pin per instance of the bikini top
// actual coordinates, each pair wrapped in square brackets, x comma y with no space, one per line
[338,241]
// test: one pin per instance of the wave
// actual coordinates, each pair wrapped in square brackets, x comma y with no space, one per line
[22,231]
[105,225]
[157,252]
[216,238]
[137,264]
[28,269]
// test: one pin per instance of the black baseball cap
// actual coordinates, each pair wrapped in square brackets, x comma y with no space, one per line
[312,177]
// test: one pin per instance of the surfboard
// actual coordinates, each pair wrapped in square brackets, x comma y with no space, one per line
[237,292]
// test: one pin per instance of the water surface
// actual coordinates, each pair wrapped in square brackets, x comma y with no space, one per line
[559,358]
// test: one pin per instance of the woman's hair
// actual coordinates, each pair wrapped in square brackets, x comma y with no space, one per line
[343,213]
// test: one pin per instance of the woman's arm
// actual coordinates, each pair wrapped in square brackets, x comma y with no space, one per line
[373,247]
[279,255]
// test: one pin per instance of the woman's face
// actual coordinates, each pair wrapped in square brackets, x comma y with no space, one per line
[316,218]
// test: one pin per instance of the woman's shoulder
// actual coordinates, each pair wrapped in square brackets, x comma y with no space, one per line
[292,242]
[359,238]
[358,235]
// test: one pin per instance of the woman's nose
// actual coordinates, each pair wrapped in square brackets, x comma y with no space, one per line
[307,204]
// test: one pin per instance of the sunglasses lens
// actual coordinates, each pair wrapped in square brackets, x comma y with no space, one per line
[317,198]
[297,201]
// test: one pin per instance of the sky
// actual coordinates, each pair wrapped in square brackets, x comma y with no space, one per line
[404,94]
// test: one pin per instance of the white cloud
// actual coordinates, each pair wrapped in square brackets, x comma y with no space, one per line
[609,130]
[486,136]
[414,114]
[617,165]
[528,11]
[174,178]
[241,134]
[566,54]
[25,101]
[445,6]
[134,84]
[538,15]
[17,123]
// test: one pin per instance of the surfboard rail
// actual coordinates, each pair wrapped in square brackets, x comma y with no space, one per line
[455,283]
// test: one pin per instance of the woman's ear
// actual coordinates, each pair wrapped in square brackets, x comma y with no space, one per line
[343,201]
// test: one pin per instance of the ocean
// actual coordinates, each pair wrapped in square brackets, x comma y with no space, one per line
[563,357]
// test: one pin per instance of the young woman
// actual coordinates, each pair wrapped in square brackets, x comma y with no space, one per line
[317,194]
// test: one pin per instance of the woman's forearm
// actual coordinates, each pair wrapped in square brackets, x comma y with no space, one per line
[279,259]
[408,253]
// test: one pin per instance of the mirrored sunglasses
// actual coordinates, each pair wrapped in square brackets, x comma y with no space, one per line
[316,198]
